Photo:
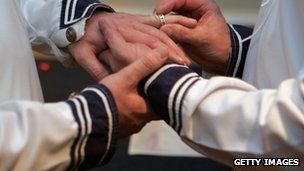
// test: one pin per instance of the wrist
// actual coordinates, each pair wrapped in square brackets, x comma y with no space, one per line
[162,87]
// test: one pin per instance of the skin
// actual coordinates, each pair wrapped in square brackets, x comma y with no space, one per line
[209,42]
[133,109]
[140,32]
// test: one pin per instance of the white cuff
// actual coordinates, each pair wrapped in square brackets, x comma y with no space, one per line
[64,37]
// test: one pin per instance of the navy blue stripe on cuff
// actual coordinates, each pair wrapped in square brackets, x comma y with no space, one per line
[74,159]
[96,114]
[179,127]
[240,41]
[115,123]
[76,10]
[236,50]
[166,89]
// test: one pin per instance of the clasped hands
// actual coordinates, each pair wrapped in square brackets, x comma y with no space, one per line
[134,46]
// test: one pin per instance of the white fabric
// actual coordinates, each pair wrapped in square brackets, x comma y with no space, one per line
[276,51]
[275,54]
[227,118]
[18,76]
[32,136]
[26,126]
[42,18]
[40,21]
[157,138]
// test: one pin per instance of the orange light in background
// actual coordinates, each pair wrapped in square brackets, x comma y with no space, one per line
[44,67]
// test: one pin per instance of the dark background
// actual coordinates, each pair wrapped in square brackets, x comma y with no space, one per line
[58,82]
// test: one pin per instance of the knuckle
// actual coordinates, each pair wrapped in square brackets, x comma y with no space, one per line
[103,20]
[153,41]
[97,73]
[148,63]
[80,59]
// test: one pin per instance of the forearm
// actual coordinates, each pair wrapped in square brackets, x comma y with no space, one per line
[79,133]
[225,118]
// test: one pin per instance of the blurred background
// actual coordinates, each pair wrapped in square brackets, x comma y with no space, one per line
[236,11]
[58,82]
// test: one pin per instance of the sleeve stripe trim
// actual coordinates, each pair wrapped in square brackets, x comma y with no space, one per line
[179,101]
[82,133]
[88,122]
[179,128]
[155,75]
[69,18]
[172,94]
[240,50]
[110,120]
[73,11]
[75,142]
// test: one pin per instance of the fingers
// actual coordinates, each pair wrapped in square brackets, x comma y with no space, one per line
[195,7]
[112,36]
[170,19]
[182,20]
[167,6]
[178,33]
[146,65]
[175,52]
[105,57]
[87,59]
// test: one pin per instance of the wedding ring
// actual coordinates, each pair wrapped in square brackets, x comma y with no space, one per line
[162,19]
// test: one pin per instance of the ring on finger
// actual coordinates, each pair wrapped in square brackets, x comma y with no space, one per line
[162,19]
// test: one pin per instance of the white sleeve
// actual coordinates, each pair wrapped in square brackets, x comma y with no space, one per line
[57,22]
[225,118]
[77,134]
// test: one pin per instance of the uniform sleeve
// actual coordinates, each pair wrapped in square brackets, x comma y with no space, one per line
[58,22]
[74,135]
[225,118]
[240,40]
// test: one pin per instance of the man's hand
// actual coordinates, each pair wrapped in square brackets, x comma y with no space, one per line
[138,31]
[133,109]
[209,42]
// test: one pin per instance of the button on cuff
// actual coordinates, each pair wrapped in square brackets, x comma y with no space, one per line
[64,37]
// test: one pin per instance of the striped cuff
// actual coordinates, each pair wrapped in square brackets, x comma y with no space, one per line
[240,40]
[166,90]
[74,11]
[96,115]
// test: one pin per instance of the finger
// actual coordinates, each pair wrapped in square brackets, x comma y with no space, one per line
[87,59]
[170,19]
[178,33]
[167,6]
[182,20]
[113,37]
[181,6]
[105,57]
[146,65]
[175,51]
[138,37]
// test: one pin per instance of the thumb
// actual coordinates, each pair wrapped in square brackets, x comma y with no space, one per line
[167,6]
[146,65]
[178,33]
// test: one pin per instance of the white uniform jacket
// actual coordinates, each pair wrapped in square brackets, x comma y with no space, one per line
[259,116]
[76,134]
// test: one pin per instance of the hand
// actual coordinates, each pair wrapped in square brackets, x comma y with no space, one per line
[131,36]
[209,42]
[134,29]
[133,109]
